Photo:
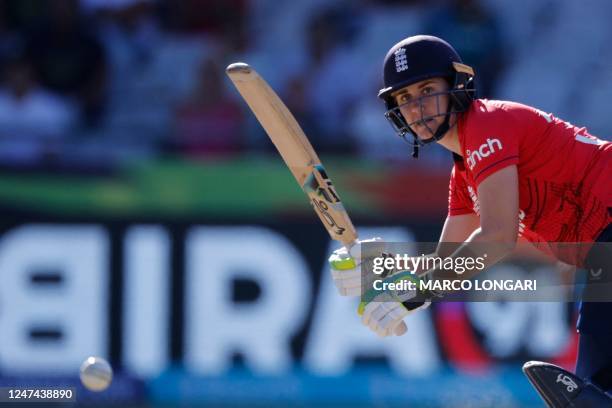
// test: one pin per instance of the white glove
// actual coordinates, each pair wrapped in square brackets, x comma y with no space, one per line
[384,312]
[385,316]
[345,266]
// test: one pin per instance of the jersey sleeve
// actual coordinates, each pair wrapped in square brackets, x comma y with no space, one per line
[459,201]
[491,144]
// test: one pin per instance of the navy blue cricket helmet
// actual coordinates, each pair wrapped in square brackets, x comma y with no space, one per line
[418,58]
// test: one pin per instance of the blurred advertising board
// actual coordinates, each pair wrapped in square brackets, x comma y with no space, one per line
[207,283]
[210,312]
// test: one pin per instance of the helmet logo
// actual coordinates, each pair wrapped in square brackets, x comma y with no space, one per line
[401,63]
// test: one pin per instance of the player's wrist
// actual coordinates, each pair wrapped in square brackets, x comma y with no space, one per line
[403,287]
[425,295]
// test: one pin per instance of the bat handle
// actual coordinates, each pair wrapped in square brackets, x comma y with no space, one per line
[349,244]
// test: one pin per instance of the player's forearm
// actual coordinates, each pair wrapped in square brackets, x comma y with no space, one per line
[493,244]
[487,248]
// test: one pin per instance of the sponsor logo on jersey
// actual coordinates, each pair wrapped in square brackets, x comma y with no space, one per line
[401,62]
[474,198]
[521,218]
[484,150]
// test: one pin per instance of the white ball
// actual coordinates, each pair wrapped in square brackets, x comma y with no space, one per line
[96,374]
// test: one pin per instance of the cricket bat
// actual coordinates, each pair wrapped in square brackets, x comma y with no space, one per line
[295,149]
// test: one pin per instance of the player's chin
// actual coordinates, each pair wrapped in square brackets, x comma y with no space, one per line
[424,134]
[425,138]
[425,130]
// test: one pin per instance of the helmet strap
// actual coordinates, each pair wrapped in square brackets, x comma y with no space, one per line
[443,128]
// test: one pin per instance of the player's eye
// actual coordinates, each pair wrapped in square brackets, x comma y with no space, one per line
[427,90]
[403,98]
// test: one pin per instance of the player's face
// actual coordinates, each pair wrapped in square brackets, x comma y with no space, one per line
[423,105]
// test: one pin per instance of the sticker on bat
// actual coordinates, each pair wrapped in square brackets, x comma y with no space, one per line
[321,185]
[322,208]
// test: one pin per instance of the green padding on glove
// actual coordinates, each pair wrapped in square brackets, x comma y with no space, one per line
[342,264]
[372,293]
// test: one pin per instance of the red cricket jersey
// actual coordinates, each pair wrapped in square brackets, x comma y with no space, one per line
[565,174]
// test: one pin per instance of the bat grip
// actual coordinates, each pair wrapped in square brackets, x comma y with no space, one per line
[349,244]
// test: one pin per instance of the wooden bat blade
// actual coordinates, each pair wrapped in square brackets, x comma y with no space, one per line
[295,149]
[277,121]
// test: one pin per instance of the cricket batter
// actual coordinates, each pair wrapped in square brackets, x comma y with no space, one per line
[517,171]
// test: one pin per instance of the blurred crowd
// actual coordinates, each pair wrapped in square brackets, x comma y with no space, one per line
[93,83]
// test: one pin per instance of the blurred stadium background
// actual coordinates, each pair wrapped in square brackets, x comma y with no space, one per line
[147,219]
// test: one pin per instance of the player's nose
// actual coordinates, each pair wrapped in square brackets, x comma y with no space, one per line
[411,111]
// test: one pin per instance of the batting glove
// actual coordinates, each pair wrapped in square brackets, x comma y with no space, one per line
[345,265]
[384,311]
